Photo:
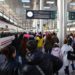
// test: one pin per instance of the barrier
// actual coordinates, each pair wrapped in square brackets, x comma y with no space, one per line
[6,41]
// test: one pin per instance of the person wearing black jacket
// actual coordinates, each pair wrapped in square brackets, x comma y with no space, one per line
[39,63]
[12,67]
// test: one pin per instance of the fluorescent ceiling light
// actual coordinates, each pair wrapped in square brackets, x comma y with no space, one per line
[6,17]
[1,14]
[50,2]
[46,7]
[2,0]
[26,1]
[72,3]
[15,23]
[11,20]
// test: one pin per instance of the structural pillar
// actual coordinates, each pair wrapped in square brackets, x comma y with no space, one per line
[35,21]
[41,21]
[61,20]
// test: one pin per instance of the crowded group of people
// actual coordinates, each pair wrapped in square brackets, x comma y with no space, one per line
[36,54]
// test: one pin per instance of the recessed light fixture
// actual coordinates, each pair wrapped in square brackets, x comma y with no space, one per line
[46,7]
[2,0]
[25,0]
[50,2]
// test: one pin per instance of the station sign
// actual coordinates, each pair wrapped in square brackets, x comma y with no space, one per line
[40,14]
[72,15]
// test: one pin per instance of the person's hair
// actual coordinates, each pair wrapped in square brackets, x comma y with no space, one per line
[9,51]
[31,45]
[65,41]
[54,33]
[49,37]
[71,34]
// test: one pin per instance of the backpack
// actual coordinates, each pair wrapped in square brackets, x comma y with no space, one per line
[71,55]
[73,45]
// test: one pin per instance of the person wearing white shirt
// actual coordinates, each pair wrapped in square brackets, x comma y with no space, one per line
[64,50]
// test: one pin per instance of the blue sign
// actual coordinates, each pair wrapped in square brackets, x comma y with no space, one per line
[40,14]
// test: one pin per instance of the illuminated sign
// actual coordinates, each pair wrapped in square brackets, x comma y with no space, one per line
[40,14]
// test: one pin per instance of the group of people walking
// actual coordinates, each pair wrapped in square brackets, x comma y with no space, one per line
[36,54]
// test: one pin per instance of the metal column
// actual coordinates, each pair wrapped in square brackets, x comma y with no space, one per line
[41,21]
[35,20]
[62,19]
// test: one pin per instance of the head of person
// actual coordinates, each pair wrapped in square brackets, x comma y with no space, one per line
[31,45]
[20,36]
[55,45]
[49,36]
[10,52]
[71,34]
[40,35]
[54,34]
[65,41]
